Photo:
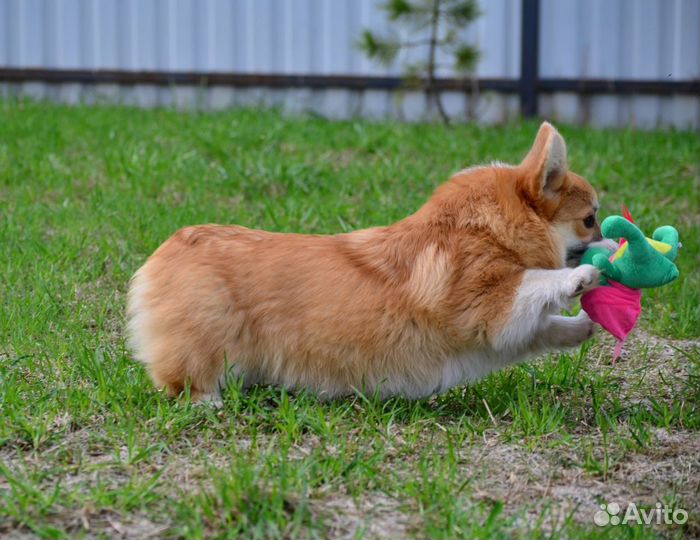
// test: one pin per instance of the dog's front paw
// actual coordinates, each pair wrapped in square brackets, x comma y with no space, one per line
[583,278]
[574,331]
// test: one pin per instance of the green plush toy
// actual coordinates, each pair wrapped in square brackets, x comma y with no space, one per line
[639,263]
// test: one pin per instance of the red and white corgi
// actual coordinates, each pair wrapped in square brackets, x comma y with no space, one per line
[475,280]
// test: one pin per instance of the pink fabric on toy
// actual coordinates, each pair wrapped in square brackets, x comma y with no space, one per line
[616,308]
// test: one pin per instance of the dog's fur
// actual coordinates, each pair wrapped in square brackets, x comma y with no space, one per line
[471,282]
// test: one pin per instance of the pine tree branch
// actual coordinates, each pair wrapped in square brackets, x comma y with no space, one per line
[443,21]
[431,61]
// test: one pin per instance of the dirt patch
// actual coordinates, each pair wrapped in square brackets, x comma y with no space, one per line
[551,476]
[374,517]
[650,366]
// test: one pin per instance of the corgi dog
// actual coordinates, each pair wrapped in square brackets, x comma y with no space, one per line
[475,280]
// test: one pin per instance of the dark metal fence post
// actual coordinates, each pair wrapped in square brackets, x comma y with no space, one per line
[529,53]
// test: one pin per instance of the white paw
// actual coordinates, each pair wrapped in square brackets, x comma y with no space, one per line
[582,279]
[575,331]
[214,399]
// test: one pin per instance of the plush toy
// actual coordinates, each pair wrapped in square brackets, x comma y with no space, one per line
[639,263]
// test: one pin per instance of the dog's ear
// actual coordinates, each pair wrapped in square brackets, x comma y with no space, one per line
[545,166]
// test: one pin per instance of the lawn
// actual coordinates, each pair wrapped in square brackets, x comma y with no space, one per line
[89,449]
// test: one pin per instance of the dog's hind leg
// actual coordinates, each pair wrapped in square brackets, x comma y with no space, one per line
[179,335]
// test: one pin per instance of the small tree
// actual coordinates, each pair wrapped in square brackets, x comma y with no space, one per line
[441,20]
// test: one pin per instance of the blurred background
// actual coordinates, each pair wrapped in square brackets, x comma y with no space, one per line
[597,62]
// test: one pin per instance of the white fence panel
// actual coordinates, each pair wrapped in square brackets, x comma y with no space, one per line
[249,36]
[616,39]
[620,39]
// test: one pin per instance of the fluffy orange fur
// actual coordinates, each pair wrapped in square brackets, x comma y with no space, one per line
[380,309]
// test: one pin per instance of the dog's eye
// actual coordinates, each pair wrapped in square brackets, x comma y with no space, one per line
[589,222]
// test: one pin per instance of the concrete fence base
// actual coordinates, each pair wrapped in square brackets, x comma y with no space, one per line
[489,108]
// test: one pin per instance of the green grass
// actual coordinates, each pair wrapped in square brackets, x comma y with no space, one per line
[88,448]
